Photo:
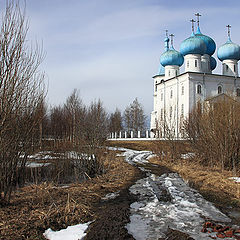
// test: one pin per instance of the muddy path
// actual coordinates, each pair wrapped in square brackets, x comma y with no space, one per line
[158,205]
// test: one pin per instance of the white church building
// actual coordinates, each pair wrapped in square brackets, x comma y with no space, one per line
[176,94]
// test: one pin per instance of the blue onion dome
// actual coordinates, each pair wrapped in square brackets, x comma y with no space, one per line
[161,70]
[171,57]
[193,45]
[229,50]
[210,44]
[213,63]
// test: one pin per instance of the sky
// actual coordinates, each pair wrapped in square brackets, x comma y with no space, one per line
[110,49]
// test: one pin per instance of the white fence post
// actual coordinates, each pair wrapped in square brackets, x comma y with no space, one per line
[139,134]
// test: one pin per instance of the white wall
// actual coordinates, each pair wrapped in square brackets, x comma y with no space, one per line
[172,97]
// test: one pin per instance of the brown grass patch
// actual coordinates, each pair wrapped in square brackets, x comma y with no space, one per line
[35,208]
[135,145]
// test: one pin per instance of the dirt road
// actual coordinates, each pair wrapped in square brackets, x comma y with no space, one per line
[159,205]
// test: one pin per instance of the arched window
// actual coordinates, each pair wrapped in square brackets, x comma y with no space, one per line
[161,116]
[195,63]
[170,112]
[226,68]
[187,64]
[234,68]
[182,110]
[182,90]
[238,92]
[199,89]
[219,89]
[176,73]
[156,86]
[169,73]
[171,93]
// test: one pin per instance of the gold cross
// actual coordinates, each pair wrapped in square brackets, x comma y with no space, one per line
[171,36]
[198,15]
[228,27]
[192,21]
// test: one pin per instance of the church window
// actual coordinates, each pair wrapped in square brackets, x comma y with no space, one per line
[182,110]
[226,68]
[156,87]
[187,64]
[170,113]
[171,93]
[195,63]
[234,68]
[238,92]
[182,90]
[176,72]
[161,96]
[161,116]
[219,89]
[199,89]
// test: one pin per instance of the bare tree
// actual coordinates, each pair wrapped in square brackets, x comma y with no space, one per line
[75,113]
[96,128]
[115,121]
[21,97]
[167,128]
[58,124]
[134,116]
[213,130]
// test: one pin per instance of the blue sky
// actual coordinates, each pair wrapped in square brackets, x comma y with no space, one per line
[110,49]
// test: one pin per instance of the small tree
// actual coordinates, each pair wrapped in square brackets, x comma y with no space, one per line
[167,129]
[134,116]
[115,121]
[75,115]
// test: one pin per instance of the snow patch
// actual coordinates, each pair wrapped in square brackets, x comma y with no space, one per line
[235,179]
[34,164]
[111,196]
[76,232]
[187,155]
[186,211]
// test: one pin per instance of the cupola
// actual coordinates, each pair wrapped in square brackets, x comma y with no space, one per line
[171,60]
[229,55]
[192,49]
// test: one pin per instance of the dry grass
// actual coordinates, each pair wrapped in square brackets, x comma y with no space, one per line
[136,145]
[37,207]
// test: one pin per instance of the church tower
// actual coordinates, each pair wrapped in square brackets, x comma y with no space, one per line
[171,59]
[229,55]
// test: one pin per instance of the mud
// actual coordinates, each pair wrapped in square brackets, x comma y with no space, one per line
[113,215]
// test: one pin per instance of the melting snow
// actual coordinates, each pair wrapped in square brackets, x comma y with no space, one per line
[187,155]
[111,196]
[34,164]
[235,179]
[76,232]
[186,210]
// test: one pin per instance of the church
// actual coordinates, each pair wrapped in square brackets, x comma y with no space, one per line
[176,94]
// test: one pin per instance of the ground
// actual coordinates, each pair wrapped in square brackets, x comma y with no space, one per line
[35,208]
